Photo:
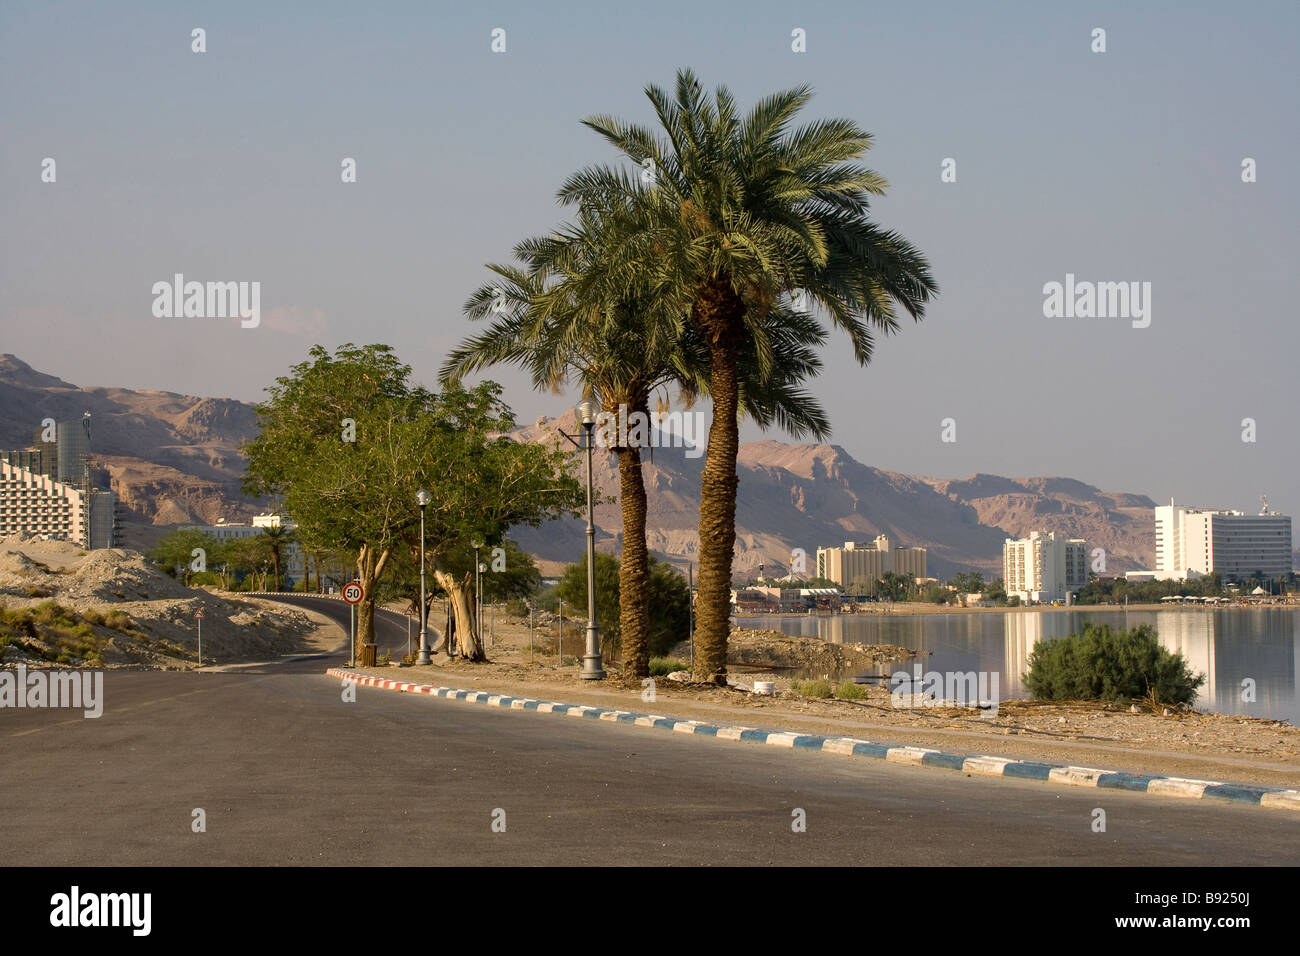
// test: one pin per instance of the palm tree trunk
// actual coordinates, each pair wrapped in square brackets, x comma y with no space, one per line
[634,567]
[718,312]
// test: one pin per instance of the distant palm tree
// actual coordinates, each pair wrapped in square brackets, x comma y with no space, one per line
[573,309]
[275,541]
[745,215]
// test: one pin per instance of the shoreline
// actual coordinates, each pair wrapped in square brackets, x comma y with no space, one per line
[903,609]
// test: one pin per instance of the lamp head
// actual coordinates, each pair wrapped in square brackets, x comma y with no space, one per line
[422,497]
[586,412]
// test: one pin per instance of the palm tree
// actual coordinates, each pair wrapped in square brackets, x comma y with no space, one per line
[573,309]
[275,541]
[749,214]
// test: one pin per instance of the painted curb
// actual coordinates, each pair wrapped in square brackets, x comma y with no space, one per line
[973,764]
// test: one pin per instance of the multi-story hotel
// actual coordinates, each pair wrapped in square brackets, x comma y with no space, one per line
[46,490]
[859,562]
[1191,542]
[1046,566]
[35,504]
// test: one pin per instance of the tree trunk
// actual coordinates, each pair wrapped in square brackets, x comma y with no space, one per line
[461,601]
[370,567]
[718,312]
[634,567]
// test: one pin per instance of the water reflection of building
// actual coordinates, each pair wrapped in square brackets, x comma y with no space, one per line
[1191,633]
[1023,630]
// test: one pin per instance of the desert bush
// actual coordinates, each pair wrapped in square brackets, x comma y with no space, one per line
[811,688]
[850,691]
[661,666]
[118,620]
[1101,664]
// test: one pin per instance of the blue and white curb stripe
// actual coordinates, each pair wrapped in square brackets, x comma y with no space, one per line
[973,764]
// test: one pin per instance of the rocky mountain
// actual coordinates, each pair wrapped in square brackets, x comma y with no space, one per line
[175,458]
[810,496]
[170,458]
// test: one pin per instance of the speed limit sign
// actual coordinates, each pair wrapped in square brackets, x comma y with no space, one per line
[353,592]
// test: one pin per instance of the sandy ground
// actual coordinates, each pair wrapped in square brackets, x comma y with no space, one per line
[1184,744]
[162,631]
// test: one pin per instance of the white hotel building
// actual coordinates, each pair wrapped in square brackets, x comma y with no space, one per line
[1191,542]
[1044,567]
[36,504]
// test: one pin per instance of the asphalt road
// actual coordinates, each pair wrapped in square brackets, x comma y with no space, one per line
[288,772]
[391,630]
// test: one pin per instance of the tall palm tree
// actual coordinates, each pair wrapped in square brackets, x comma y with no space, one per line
[750,213]
[573,309]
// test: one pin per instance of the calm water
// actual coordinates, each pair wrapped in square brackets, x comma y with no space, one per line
[1226,645]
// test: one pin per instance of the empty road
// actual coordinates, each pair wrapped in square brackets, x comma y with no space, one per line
[286,771]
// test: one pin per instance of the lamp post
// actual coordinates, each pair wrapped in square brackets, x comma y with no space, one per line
[478,624]
[422,498]
[482,570]
[591,662]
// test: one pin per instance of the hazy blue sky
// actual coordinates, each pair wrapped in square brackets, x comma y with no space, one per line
[1115,166]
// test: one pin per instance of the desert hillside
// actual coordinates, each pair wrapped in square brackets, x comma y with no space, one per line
[175,458]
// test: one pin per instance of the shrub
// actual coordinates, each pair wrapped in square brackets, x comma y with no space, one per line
[1101,664]
[92,616]
[118,620]
[660,666]
[811,688]
[850,691]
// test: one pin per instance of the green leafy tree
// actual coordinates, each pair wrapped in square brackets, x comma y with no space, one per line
[996,591]
[968,582]
[896,587]
[669,602]
[247,557]
[745,215]
[346,441]
[175,552]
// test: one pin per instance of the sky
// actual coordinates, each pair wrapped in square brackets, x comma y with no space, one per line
[1117,166]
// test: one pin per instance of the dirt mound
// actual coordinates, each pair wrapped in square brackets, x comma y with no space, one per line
[112,607]
[773,649]
[115,574]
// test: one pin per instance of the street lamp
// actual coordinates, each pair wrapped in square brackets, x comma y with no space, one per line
[422,498]
[477,543]
[591,662]
[482,570]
